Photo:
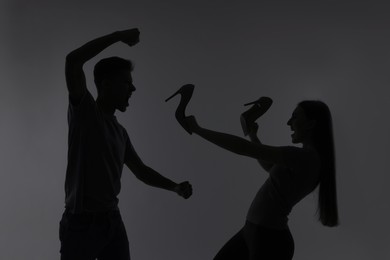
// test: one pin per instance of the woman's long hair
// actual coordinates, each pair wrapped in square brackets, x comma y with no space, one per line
[323,141]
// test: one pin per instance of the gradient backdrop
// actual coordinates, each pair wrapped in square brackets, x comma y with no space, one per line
[336,51]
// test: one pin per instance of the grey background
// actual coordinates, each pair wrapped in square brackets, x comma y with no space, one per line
[336,51]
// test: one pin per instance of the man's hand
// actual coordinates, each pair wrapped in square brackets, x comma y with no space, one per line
[184,189]
[130,37]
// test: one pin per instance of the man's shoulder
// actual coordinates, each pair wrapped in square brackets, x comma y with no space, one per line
[85,108]
[85,99]
[124,131]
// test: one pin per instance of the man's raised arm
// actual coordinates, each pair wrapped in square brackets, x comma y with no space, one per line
[75,77]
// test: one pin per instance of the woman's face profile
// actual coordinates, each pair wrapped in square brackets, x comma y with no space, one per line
[300,125]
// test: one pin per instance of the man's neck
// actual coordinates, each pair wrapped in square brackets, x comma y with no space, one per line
[105,107]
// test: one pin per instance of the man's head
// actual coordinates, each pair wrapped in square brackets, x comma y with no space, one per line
[114,82]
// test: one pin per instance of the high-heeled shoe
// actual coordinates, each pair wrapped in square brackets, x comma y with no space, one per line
[186,94]
[260,106]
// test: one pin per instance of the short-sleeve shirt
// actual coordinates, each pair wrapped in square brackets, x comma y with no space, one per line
[97,146]
[285,187]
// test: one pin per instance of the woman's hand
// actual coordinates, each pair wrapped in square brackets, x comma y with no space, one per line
[191,123]
[254,127]
[248,118]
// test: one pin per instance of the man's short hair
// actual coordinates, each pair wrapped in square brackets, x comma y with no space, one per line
[108,67]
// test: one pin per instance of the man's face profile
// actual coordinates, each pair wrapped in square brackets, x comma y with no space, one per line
[118,89]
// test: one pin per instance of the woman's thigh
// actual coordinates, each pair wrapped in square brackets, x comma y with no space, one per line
[265,243]
[234,249]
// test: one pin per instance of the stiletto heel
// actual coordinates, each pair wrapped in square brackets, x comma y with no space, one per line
[186,94]
[252,114]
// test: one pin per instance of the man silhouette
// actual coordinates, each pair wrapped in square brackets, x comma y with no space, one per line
[98,147]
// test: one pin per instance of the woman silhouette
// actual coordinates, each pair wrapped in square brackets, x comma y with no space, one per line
[293,173]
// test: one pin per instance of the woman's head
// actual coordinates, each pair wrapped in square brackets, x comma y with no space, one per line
[301,125]
[318,121]
[316,125]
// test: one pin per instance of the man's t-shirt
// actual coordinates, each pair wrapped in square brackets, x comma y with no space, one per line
[285,187]
[97,146]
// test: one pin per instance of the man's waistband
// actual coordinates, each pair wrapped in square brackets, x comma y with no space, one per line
[92,214]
